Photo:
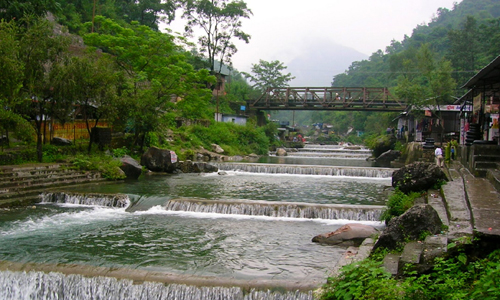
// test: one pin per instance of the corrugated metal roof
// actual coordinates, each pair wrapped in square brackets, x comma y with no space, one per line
[488,75]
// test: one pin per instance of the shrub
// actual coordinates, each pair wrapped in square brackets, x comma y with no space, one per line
[363,280]
[397,204]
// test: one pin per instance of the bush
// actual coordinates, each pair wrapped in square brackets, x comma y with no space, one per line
[109,167]
[397,204]
[363,280]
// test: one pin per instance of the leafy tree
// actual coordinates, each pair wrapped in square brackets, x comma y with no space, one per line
[74,13]
[156,72]
[464,49]
[220,21]
[428,82]
[40,52]
[269,74]
[17,9]
[91,84]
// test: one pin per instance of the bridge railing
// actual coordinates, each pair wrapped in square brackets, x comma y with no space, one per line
[328,98]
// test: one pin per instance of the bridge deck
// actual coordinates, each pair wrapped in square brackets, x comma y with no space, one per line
[328,98]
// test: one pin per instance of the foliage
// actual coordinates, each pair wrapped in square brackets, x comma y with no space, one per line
[380,143]
[363,280]
[233,138]
[40,53]
[220,22]
[17,9]
[457,276]
[269,74]
[156,72]
[108,166]
[147,12]
[397,204]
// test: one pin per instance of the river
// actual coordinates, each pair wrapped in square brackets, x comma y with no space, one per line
[252,226]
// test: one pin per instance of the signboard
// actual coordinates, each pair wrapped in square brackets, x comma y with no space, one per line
[477,103]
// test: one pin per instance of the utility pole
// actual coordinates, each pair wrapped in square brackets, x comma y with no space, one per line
[93,16]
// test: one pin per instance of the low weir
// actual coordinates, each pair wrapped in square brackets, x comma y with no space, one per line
[307,170]
[111,200]
[55,285]
[279,209]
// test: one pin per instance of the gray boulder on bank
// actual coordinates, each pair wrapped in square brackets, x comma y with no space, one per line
[217,149]
[159,160]
[196,167]
[347,235]
[130,167]
[412,224]
[416,177]
[388,156]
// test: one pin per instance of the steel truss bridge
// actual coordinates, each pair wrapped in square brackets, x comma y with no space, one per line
[328,98]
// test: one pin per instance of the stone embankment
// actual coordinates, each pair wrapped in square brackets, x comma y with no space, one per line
[468,206]
[21,185]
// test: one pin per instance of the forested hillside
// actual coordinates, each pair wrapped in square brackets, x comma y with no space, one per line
[458,41]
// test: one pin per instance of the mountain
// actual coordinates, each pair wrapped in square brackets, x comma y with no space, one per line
[319,60]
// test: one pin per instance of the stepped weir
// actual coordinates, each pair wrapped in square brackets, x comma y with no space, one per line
[115,200]
[307,170]
[279,209]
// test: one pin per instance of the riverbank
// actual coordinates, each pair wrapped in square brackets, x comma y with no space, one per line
[469,208]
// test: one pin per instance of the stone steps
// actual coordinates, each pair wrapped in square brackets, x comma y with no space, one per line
[21,185]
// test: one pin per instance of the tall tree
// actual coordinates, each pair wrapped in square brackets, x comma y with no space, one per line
[464,49]
[41,51]
[11,82]
[220,21]
[269,74]
[156,71]
[428,82]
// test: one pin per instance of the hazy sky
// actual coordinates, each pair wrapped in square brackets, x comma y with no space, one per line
[280,28]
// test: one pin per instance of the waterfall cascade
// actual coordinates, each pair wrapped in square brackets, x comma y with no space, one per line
[116,200]
[52,286]
[279,209]
[307,170]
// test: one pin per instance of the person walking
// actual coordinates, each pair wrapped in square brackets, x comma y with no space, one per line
[439,157]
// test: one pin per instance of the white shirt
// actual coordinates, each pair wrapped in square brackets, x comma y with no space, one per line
[438,152]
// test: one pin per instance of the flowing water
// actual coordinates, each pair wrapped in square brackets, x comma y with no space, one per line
[242,231]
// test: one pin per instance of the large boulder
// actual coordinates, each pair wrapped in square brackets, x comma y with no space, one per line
[159,160]
[382,143]
[347,235]
[388,156]
[196,167]
[410,225]
[281,152]
[416,177]
[130,167]
[217,149]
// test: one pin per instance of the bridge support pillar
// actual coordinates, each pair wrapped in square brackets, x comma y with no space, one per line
[261,118]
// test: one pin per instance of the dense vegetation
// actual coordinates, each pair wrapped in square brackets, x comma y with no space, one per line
[115,65]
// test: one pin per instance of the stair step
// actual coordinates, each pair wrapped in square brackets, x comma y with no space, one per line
[40,188]
[391,263]
[435,200]
[434,246]
[16,183]
[412,253]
